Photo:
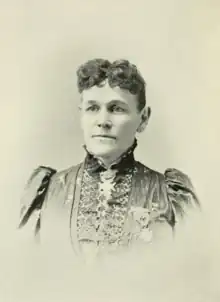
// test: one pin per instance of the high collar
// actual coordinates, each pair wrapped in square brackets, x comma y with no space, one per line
[124,162]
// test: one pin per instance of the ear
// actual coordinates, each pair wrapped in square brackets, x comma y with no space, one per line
[145,115]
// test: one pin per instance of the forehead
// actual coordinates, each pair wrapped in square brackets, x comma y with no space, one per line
[106,94]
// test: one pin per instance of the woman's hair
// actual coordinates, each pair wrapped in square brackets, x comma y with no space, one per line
[120,73]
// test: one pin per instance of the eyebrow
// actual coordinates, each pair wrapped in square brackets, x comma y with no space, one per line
[118,101]
[91,102]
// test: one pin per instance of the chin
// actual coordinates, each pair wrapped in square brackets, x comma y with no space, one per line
[102,151]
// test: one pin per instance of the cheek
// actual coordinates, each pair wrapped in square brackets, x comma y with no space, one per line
[86,124]
[126,125]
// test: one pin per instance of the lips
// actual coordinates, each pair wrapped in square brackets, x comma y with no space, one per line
[104,136]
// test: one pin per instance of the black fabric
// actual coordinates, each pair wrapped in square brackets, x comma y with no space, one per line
[124,163]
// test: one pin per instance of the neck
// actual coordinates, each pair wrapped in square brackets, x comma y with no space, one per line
[110,161]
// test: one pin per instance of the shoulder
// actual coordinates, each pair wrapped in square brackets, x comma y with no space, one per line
[172,178]
[172,174]
[62,177]
[49,176]
[172,191]
[56,181]
[43,183]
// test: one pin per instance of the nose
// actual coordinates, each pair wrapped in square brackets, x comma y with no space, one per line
[103,119]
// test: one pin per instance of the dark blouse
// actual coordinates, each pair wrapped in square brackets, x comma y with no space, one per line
[108,207]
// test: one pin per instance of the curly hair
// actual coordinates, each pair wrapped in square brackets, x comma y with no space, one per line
[120,73]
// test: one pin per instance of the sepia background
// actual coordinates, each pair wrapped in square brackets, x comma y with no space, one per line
[176,46]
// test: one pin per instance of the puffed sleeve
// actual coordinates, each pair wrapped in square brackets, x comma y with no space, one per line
[180,193]
[34,195]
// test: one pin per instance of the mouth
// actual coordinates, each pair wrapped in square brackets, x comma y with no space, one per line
[104,136]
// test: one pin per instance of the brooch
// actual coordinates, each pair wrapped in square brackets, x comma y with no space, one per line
[140,220]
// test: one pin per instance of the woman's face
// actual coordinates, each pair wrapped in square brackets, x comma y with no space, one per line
[109,120]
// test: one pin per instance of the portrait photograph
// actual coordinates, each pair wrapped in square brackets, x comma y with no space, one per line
[110,151]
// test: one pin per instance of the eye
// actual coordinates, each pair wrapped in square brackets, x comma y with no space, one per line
[92,108]
[116,108]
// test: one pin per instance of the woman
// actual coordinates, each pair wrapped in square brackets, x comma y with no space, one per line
[110,201]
